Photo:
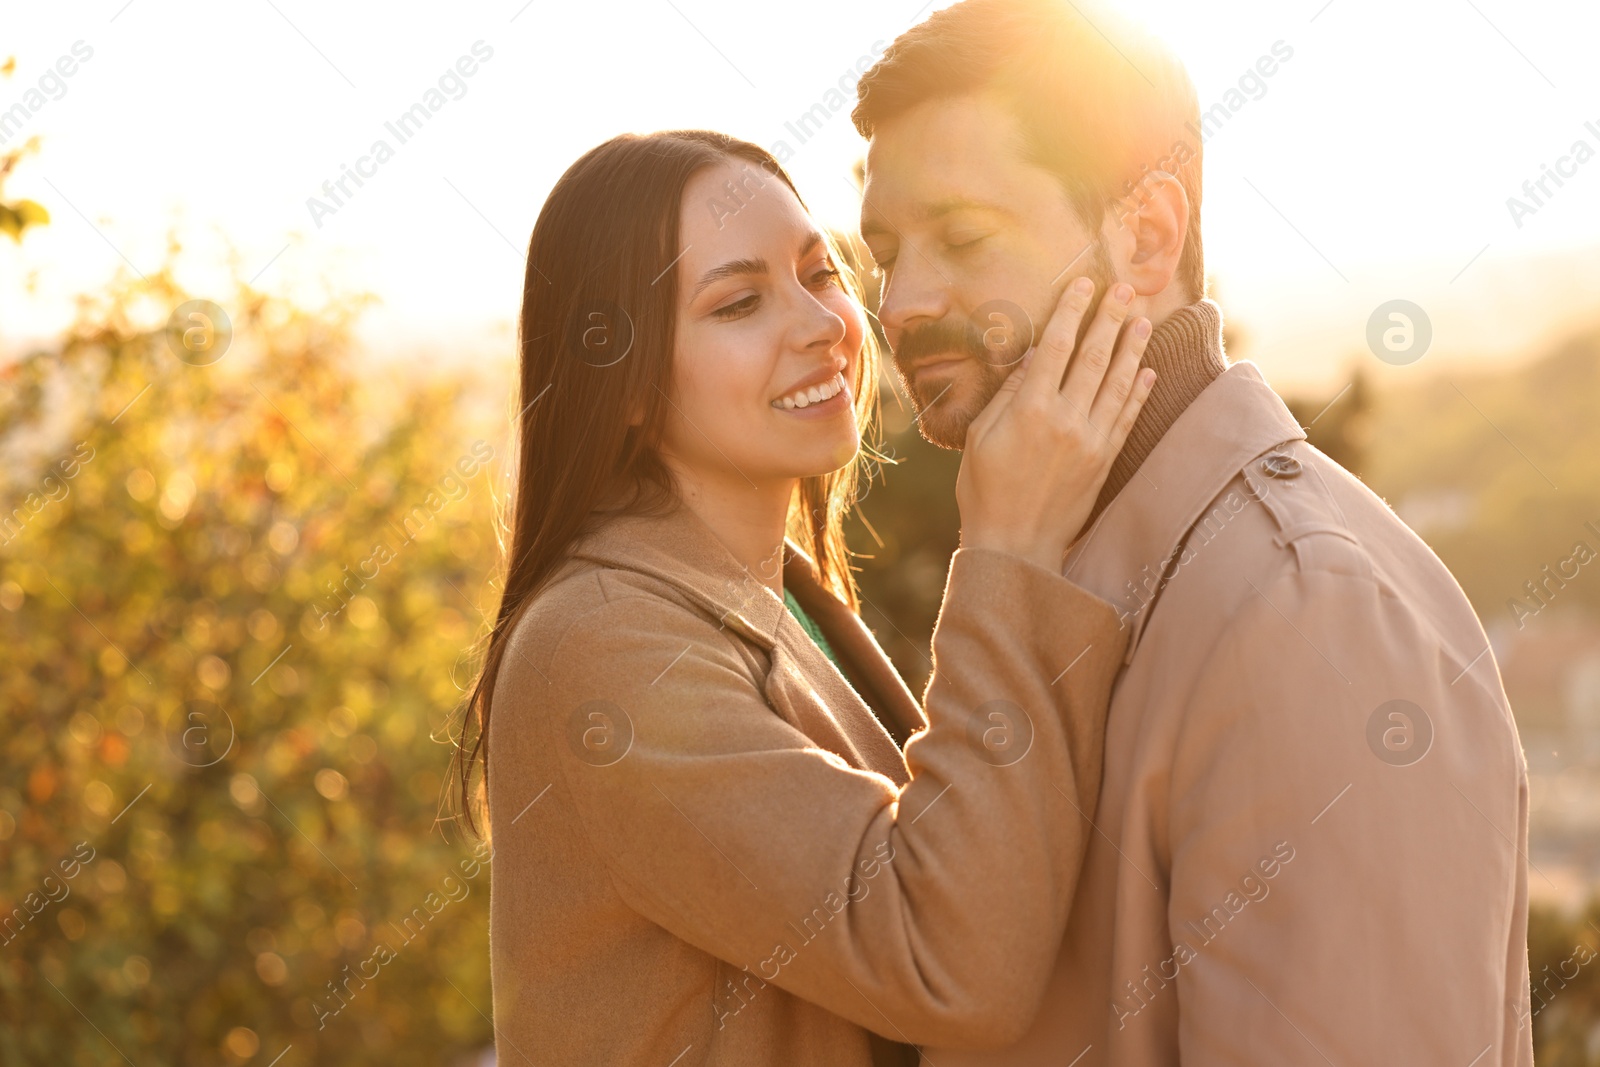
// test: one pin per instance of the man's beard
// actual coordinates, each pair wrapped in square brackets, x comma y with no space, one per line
[992,346]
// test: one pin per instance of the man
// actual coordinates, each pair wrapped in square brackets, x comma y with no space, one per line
[1313,819]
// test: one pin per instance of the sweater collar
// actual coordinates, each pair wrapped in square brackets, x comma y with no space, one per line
[1186,353]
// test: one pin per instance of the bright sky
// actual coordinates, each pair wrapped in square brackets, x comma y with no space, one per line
[1376,166]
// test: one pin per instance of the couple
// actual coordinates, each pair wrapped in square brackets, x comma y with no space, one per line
[1214,766]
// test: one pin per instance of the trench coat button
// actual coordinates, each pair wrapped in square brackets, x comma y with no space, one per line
[1280,465]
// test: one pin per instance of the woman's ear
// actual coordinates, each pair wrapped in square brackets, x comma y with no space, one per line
[1147,228]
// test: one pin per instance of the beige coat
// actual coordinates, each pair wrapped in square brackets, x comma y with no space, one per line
[705,847]
[1313,825]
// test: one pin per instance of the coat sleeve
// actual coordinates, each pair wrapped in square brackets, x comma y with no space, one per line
[930,913]
[1348,821]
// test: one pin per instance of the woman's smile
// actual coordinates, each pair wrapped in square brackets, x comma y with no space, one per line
[817,398]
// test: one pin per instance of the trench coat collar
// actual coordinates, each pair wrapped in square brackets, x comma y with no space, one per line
[680,549]
[1234,419]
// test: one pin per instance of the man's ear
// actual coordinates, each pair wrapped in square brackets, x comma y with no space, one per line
[1145,231]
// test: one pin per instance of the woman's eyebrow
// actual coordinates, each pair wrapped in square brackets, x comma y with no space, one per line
[730,269]
[736,267]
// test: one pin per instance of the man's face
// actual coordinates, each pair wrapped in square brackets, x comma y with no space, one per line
[976,245]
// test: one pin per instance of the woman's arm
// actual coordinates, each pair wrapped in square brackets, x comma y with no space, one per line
[930,914]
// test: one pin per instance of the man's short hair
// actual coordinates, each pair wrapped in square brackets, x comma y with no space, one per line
[1100,100]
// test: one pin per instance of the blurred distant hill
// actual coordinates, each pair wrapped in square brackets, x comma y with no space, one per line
[1499,472]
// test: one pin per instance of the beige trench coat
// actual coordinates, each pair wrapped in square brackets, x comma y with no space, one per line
[705,847]
[1313,826]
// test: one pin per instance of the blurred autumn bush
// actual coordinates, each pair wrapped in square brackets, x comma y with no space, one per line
[236,607]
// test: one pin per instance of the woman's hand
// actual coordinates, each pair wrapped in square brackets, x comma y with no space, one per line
[1038,454]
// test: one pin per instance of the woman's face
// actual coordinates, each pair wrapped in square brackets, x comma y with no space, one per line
[767,342]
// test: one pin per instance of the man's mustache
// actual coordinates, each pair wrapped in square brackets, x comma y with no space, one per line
[965,338]
[941,339]
[1002,344]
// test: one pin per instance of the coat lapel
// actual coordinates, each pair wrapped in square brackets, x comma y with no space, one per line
[802,685]
[806,689]
[864,663]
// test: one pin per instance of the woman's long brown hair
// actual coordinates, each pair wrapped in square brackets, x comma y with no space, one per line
[599,305]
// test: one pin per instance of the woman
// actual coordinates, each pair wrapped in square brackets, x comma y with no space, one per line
[708,846]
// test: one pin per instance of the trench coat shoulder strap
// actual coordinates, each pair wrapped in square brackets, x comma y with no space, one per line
[1292,481]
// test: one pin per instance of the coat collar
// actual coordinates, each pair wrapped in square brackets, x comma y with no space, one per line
[1234,419]
[861,711]
[680,549]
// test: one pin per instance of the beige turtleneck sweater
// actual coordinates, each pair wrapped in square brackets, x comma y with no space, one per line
[1185,351]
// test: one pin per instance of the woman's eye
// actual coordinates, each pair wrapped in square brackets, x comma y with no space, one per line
[825,276]
[738,307]
[963,241]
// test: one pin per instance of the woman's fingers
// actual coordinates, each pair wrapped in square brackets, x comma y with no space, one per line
[1035,459]
[1119,378]
[1088,368]
[1054,349]
[1131,407]
[998,403]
